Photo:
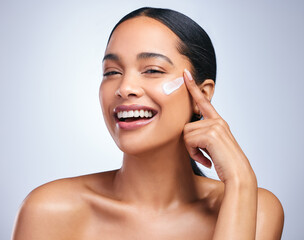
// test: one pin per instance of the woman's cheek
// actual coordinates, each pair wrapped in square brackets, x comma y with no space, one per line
[106,99]
[172,86]
[173,99]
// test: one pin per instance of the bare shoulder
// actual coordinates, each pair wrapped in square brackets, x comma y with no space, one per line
[270,213]
[46,207]
[270,216]
[55,209]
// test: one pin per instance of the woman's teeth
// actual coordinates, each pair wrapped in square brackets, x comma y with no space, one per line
[135,113]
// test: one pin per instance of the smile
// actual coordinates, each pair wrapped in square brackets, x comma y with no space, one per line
[130,117]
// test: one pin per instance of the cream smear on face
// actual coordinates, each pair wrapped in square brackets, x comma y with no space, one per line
[170,87]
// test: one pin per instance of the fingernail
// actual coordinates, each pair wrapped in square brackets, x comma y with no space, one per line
[188,74]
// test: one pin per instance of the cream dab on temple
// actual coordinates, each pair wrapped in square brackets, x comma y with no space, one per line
[170,87]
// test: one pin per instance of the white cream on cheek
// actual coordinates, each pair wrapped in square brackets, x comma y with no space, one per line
[170,87]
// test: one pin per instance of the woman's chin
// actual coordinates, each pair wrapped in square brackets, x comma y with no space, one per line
[135,149]
[146,147]
[141,147]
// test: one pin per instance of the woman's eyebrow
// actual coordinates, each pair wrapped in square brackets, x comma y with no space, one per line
[145,55]
[111,56]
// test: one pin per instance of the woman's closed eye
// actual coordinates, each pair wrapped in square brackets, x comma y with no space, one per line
[149,71]
[111,73]
[153,71]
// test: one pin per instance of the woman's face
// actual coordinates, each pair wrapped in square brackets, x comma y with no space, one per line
[141,56]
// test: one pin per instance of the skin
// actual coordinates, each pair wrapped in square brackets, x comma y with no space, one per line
[155,194]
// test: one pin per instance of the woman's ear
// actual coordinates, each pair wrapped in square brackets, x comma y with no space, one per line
[207,88]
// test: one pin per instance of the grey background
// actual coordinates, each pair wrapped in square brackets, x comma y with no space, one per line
[51,122]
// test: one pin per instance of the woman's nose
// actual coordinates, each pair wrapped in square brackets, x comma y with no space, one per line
[129,86]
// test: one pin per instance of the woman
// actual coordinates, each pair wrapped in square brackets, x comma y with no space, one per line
[159,76]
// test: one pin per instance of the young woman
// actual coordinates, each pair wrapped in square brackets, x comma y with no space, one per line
[159,76]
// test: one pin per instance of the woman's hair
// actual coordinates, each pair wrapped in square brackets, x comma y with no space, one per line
[194,43]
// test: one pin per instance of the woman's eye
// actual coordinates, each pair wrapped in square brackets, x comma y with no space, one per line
[153,71]
[111,73]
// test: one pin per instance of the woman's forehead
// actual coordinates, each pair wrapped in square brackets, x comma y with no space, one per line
[142,34]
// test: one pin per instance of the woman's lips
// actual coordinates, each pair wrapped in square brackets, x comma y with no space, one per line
[134,124]
[129,124]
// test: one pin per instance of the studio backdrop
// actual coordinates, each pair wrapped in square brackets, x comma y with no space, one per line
[51,121]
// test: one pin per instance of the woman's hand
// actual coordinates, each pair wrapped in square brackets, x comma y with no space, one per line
[238,212]
[212,134]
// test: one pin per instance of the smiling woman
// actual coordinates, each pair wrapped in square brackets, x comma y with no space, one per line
[159,73]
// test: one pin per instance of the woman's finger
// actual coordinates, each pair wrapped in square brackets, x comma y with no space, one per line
[198,156]
[192,126]
[195,141]
[206,108]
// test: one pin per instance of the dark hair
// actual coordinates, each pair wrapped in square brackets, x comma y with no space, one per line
[194,43]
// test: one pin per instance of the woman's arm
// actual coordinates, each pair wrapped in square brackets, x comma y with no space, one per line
[238,214]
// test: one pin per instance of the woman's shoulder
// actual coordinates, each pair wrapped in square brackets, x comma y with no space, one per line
[214,191]
[61,192]
[270,213]
[67,193]
[56,204]
[268,202]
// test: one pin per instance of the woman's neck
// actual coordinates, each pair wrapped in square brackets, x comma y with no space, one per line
[159,179]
